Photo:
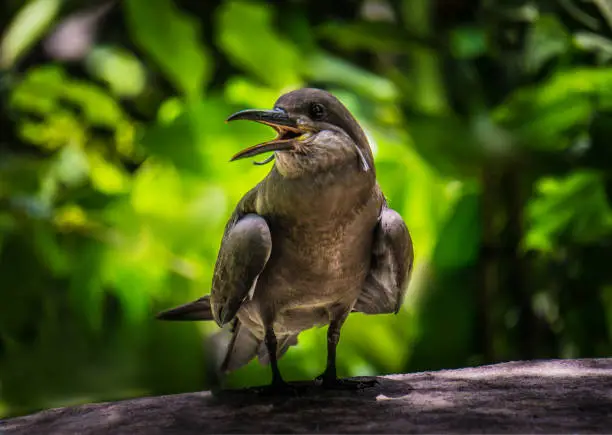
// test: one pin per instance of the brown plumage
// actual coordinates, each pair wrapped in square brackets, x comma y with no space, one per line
[313,241]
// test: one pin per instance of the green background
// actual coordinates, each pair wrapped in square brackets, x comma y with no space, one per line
[491,124]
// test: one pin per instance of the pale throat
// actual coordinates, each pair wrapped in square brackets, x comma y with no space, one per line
[316,157]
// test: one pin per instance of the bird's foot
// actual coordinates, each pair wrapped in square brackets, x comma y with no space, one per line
[345,384]
[279,388]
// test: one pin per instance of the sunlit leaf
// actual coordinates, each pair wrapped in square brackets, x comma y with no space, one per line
[540,115]
[333,70]
[171,38]
[39,90]
[572,208]
[26,28]
[99,108]
[105,176]
[240,90]
[119,68]
[43,90]
[70,165]
[135,270]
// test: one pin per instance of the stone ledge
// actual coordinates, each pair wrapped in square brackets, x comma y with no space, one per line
[548,396]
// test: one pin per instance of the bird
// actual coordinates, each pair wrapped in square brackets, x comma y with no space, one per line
[314,241]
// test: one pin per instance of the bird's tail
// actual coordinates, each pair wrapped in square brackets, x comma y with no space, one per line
[242,348]
[284,343]
[243,345]
[196,310]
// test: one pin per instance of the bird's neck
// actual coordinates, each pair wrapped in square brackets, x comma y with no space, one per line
[332,196]
[297,165]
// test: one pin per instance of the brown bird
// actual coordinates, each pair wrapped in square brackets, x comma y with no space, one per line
[313,241]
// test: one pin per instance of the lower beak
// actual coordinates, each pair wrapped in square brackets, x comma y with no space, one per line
[277,119]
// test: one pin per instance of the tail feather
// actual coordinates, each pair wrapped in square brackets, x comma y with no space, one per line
[243,344]
[197,310]
[284,343]
[241,350]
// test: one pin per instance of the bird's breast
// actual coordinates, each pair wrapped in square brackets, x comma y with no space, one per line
[321,243]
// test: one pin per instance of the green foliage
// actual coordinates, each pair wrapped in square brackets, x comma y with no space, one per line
[170,38]
[247,37]
[27,27]
[573,207]
[490,126]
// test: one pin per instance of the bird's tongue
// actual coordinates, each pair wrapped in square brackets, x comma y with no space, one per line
[273,145]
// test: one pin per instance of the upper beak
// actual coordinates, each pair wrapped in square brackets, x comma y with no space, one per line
[276,118]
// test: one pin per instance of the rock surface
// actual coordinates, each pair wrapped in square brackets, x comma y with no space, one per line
[556,396]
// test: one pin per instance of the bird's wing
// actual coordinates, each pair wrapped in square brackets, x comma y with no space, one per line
[390,267]
[245,249]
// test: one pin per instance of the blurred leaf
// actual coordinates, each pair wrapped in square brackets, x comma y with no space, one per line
[43,90]
[247,37]
[26,28]
[573,208]
[136,269]
[546,39]
[323,67]
[20,176]
[606,10]
[468,42]
[177,142]
[98,107]
[50,251]
[240,90]
[70,165]
[107,177]
[593,42]
[39,90]
[125,75]
[198,136]
[541,115]
[378,37]
[171,38]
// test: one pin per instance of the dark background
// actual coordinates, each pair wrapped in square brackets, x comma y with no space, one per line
[491,123]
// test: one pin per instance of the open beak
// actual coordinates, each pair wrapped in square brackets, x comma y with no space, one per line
[278,119]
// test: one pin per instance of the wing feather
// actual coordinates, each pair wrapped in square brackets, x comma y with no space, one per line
[390,268]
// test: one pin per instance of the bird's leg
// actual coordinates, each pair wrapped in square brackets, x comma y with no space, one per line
[329,377]
[278,384]
[271,345]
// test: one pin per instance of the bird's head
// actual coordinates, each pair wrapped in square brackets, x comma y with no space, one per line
[313,128]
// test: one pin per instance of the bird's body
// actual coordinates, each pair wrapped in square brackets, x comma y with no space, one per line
[311,242]
[318,253]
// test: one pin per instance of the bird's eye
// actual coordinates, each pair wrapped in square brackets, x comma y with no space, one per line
[317,111]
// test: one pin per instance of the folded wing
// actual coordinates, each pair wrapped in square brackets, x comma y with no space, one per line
[390,268]
[244,252]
